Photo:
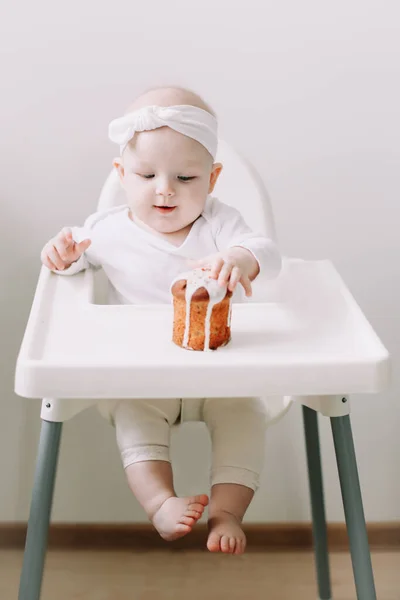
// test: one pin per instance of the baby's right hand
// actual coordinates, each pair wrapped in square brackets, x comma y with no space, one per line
[61,251]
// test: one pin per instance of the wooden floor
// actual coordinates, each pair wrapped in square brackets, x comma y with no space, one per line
[194,575]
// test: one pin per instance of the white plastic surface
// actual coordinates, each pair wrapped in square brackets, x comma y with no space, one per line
[313,341]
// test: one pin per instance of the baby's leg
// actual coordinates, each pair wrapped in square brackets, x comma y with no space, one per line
[237,427]
[143,436]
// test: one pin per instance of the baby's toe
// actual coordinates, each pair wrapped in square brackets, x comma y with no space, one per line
[213,542]
[197,508]
[195,514]
[240,546]
[225,544]
[182,528]
[202,500]
[187,520]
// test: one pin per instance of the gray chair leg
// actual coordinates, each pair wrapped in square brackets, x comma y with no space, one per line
[310,418]
[353,508]
[39,517]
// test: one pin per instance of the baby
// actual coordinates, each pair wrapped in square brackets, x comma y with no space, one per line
[168,142]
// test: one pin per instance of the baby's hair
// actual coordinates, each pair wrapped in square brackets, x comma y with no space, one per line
[170,95]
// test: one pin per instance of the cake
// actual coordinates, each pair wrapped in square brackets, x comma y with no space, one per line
[202,311]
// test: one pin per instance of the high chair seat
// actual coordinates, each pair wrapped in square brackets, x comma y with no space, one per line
[301,338]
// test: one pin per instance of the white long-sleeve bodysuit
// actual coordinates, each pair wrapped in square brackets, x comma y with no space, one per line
[140,267]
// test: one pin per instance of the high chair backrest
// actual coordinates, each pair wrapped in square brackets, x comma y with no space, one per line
[239,185]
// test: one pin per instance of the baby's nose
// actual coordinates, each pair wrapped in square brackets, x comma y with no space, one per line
[165,188]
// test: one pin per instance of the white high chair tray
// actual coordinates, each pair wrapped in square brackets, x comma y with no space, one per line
[313,340]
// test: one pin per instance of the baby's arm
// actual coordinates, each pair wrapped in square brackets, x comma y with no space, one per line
[243,254]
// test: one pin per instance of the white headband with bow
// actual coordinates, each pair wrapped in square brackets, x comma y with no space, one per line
[192,121]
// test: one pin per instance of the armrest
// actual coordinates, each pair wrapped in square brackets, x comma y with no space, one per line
[54,298]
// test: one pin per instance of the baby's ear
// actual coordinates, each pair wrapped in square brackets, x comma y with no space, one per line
[215,173]
[117,164]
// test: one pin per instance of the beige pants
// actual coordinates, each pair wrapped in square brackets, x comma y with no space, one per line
[237,428]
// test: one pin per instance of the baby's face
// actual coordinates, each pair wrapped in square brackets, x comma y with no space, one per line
[167,177]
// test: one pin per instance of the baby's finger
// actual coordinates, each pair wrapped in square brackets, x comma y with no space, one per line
[55,258]
[64,238]
[47,262]
[235,278]
[246,283]
[67,234]
[84,245]
[216,266]
[225,273]
[60,245]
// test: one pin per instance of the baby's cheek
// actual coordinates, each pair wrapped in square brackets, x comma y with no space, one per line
[131,192]
[199,201]
[195,210]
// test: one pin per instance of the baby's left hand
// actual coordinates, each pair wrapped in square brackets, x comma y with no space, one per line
[233,266]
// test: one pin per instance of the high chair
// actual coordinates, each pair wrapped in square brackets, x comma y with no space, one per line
[303,338]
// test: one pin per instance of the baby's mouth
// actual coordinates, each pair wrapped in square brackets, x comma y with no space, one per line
[165,209]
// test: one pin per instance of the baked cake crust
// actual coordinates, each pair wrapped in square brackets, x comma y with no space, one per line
[209,306]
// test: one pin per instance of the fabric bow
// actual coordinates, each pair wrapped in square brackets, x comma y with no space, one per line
[192,121]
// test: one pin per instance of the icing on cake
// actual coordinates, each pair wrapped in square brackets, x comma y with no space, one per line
[196,279]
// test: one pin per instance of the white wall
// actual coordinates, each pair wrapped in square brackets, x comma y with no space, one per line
[310,92]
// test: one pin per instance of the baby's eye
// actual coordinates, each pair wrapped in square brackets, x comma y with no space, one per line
[182,178]
[146,176]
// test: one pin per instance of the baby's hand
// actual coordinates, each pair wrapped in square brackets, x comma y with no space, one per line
[233,266]
[61,251]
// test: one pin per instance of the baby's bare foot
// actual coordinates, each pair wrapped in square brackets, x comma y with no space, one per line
[176,516]
[226,534]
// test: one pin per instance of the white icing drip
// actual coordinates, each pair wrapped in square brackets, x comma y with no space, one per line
[207,327]
[187,323]
[195,280]
[230,314]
